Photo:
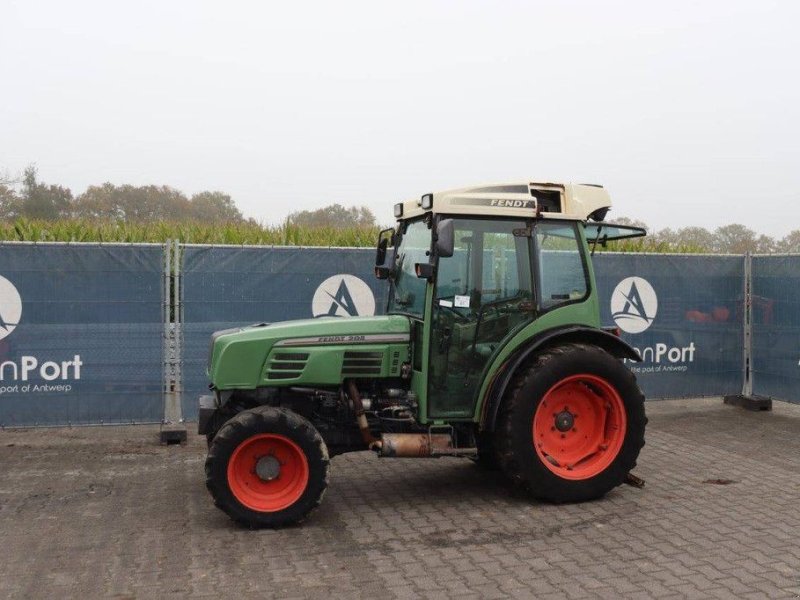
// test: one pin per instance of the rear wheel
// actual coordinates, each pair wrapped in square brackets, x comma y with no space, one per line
[267,467]
[572,424]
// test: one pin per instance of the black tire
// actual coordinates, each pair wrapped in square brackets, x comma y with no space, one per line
[514,438]
[215,424]
[282,424]
[487,452]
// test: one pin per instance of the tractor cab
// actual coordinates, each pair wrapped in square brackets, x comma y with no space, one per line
[475,267]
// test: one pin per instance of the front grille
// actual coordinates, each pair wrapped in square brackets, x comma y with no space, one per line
[286,365]
[362,363]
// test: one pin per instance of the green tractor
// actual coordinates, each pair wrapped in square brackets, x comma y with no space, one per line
[491,348]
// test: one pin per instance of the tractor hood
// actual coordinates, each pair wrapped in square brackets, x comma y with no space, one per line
[321,351]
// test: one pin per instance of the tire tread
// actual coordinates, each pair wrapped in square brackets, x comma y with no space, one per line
[512,412]
[266,419]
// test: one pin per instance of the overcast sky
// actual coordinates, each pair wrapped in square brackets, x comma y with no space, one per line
[688,112]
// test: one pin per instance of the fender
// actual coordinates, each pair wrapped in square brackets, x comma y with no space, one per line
[546,339]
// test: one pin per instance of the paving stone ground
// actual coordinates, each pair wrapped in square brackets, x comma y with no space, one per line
[106,512]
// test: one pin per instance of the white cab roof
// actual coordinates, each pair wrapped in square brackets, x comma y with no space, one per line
[523,199]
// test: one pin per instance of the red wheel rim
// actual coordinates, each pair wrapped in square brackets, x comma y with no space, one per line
[579,426]
[268,472]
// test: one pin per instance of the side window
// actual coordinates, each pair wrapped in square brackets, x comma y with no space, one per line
[561,270]
[408,293]
[500,269]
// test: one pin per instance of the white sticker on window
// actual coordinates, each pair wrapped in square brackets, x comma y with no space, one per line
[447,303]
[462,301]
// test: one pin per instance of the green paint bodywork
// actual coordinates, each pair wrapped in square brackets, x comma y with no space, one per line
[245,358]
[249,358]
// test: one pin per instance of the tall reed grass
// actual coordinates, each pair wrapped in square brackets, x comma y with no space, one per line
[242,233]
[245,233]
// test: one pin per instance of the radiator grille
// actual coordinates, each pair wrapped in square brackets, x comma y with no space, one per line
[287,365]
[362,363]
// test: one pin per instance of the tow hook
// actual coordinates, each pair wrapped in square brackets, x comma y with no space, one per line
[635,481]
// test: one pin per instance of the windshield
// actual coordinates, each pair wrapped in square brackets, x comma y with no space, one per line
[407,293]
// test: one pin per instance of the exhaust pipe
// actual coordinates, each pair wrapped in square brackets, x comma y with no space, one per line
[415,445]
[420,445]
[371,441]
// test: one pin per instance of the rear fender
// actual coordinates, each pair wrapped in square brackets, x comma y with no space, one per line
[547,339]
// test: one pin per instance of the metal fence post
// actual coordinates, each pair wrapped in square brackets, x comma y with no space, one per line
[178,292]
[748,325]
[166,316]
[173,430]
[747,399]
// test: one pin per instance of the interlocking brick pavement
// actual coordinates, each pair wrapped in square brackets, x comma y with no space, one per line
[106,512]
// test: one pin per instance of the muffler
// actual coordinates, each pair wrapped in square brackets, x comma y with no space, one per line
[420,445]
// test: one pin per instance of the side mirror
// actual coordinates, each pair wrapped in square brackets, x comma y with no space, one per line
[380,254]
[384,241]
[386,269]
[384,255]
[424,271]
[445,238]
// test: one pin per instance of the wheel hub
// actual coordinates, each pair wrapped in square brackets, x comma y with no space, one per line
[565,421]
[579,452]
[268,468]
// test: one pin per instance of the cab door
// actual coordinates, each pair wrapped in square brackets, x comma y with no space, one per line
[483,294]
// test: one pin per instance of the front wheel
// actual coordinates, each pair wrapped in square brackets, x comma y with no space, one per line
[572,425]
[267,467]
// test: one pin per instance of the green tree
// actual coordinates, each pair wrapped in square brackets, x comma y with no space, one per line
[9,202]
[144,204]
[734,239]
[697,237]
[764,244]
[790,244]
[99,202]
[40,201]
[334,215]
[214,207]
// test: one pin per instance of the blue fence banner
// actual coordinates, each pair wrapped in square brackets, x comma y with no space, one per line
[82,326]
[776,327]
[685,315]
[81,334]
[225,287]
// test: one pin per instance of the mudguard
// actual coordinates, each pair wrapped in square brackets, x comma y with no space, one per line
[547,339]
